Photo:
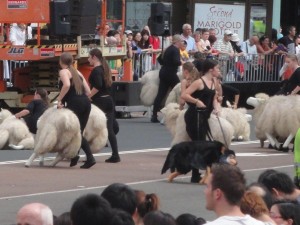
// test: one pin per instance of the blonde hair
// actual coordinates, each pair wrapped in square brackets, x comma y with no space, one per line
[190,67]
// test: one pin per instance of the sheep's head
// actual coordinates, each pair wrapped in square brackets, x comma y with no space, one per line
[253,101]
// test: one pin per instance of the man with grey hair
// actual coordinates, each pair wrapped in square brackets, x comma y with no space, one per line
[223,45]
[35,214]
[186,35]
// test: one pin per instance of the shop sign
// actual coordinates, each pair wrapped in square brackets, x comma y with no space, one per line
[221,17]
[17,4]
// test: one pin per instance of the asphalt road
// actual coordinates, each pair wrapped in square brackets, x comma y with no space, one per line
[143,148]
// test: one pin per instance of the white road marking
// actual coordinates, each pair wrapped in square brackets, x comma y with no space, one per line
[157,150]
[131,183]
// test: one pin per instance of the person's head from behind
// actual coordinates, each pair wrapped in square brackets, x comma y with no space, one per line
[212,39]
[121,196]
[35,214]
[42,94]
[190,72]
[211,66]
[263,192]
[253,40]
[183,46]
[65,60]
[158,218]
[120,217]
[189,219]
[278,183]
[146,202]
[226,186]
[253,205]
[285,213]
[90,208]
[63,219]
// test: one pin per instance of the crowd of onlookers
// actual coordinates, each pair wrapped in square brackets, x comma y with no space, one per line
[206,42]
[272,200]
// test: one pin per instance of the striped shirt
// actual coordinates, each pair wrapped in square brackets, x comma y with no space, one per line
[223,47]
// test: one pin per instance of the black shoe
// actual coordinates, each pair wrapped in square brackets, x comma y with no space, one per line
[154,119]
[88,164]
[74,161]
[113,159]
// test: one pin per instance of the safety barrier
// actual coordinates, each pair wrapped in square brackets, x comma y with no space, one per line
[251,68]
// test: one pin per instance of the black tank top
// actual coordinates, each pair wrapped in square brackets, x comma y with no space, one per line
[71,92]
[206,95]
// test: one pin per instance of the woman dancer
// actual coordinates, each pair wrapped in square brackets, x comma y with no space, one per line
[202,99]
[100,80]
[73,95]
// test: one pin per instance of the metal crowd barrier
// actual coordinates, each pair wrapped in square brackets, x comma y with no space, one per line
[250,68]
[144,62]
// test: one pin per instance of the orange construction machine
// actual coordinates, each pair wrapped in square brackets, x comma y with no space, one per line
[58,26]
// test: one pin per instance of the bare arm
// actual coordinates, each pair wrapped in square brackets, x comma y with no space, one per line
[196,85]
[93,92]
[23,113]
[183,85]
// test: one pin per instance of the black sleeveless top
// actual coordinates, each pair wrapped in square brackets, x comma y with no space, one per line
[71,92]
[206,95]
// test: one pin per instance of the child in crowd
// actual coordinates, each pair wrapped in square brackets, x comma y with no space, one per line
[183,52]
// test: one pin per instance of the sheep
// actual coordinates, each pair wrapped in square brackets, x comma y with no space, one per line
[58,131]
[150,83]
[174,95]
[95,131]
[237,118]
[277,116]
[216,126]
[14,132]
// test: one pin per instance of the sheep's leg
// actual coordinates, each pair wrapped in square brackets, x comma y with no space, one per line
[277,144]
[173,175]
[41,163]
[287,142]
[204,178]
[262,143]
[30,160]
[271,140]
[59,157]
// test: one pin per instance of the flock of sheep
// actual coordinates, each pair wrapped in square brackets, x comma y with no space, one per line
[276,120]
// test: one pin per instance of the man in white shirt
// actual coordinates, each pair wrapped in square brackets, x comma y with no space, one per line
[224,191]
[19,34]
[249,46]
[186,34]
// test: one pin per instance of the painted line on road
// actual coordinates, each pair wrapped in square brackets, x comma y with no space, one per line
[152,150]
[130,184]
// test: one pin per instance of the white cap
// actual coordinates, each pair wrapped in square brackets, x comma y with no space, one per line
[128,32]
[235,37]
[228,32]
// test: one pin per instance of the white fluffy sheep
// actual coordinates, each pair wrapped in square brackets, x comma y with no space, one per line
[174,95]
[216,126]
[276,117]
[14,132]
[150,83]
[58,131]
[237,118]
[95,131]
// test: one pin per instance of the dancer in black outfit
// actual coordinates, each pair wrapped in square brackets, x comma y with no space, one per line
[202,100]
[34,109]
[168,73]
[74,96]
[100,80]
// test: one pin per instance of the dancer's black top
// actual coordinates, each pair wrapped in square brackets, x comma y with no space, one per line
[36,108]
[196,119]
